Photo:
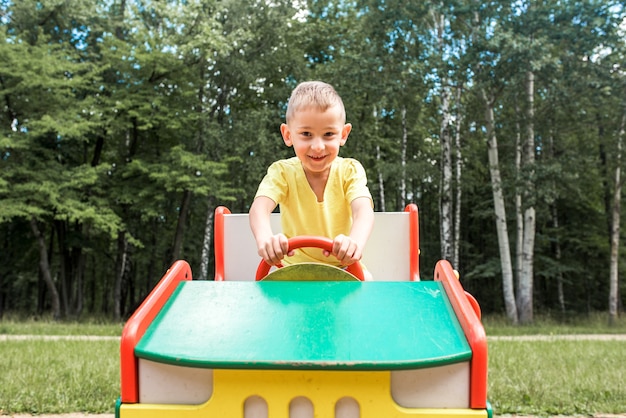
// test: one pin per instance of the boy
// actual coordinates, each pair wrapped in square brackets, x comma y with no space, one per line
[319,193]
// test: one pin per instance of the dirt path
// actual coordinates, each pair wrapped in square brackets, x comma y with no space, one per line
[18,337]
[564,337]
[73,415]
[79,415]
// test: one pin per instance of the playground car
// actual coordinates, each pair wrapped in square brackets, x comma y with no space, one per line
[307,340]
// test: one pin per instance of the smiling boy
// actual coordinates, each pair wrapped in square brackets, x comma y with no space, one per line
[319,193]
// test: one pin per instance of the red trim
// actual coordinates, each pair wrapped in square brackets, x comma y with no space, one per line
[218,241]
[473,329]
[414,242]
[472,300]
[139,322]
[304,241]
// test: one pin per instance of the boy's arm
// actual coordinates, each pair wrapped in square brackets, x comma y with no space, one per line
[349,249]
[362,220]
[272,248]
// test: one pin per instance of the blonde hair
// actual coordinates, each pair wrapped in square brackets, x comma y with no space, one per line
[315,94]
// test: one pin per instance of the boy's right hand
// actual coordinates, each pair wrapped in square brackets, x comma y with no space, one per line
[274,249]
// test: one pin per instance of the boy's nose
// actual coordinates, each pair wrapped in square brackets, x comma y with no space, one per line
[317,144]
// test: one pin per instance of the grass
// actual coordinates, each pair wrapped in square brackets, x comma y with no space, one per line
[45,326]
[596,323]
[58,376]
[525,377]
[557,377]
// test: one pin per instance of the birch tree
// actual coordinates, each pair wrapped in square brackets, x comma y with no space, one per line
[615,225]
[488,74]
[525,283]
[456,256]
[504,247]
[449,43]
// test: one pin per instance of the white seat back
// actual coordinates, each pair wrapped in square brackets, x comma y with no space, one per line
[387,254]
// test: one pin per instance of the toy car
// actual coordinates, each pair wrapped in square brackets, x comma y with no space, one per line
[313,342]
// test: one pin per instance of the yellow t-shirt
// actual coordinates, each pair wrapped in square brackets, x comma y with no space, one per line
[301,214]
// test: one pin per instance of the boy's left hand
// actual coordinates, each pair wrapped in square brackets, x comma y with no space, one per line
[345,249]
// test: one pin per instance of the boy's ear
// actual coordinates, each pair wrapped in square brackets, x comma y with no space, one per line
[286,133]
[345,132]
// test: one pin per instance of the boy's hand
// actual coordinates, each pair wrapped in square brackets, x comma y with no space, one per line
[346,250]
[274,249]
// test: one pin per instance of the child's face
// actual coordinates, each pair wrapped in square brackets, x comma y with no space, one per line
[316,137]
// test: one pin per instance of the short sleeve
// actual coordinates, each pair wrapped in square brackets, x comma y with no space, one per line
[273,184]
[355,180]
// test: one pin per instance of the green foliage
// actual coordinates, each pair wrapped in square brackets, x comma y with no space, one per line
[112,117]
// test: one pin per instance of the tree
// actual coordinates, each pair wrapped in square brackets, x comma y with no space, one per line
[51,185]
[488,70]
[123,124]
[615,225]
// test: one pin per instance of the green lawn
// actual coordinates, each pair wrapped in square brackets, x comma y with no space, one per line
[557,377]
[58,376]
[525,377]
[551,325]
[16,326]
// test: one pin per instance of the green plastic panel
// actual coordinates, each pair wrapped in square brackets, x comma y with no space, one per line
[306,325]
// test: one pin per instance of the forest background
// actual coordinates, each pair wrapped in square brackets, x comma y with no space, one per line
[124,123]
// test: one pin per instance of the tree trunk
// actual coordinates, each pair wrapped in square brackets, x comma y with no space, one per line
[445,195]
[403,160]
[91,290]
[554,215]
[2,293]
[381,181]
[2,297]
[180,226]
[604,169]
[44,268]
[457,184]
[379,160]
[615,228]
[120,268]
[500,212]
[557,256]
[556,243]
[155,260]
[207,241]
[446,236]
[79,275]
[119,19]
[97,152]
[65,266]
[519,215]
[525,296]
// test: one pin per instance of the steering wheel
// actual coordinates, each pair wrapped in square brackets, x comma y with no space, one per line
[304,241]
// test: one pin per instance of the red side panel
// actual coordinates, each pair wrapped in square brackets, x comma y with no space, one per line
[473,329]
[414,238]
[139,322]
[218,242]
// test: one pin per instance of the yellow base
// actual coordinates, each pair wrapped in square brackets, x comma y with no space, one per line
[370,390]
